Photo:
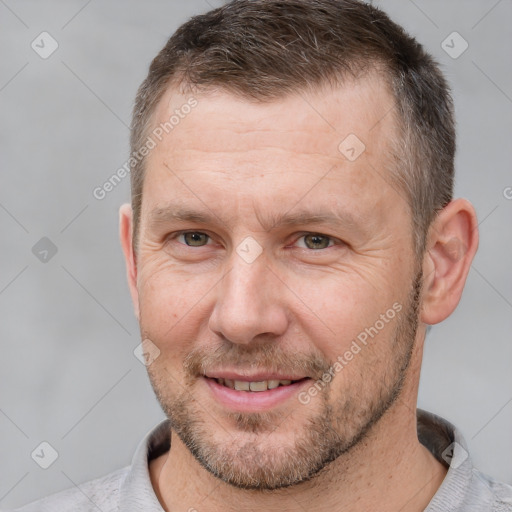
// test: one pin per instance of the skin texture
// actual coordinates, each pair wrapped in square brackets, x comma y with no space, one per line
[241,167]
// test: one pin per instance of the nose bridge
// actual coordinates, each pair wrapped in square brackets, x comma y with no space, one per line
[248,303]
[245,284]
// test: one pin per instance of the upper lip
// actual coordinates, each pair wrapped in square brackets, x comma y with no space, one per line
[255,377]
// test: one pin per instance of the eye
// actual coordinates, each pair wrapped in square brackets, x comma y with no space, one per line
[315,241]
[193,238]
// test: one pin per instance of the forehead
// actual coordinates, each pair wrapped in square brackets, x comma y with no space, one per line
[362,107]
[218,142]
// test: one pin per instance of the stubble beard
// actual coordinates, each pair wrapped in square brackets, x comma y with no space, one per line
[250,459]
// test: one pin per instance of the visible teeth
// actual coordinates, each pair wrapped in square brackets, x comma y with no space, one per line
[258,386]
[263,385]
[242,385]
[271,384]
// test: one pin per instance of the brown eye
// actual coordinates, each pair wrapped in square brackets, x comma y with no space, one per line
[194,238]
[314,241]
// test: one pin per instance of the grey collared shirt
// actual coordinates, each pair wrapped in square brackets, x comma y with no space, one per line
[464,489]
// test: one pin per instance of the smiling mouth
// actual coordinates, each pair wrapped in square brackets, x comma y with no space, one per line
[255,386]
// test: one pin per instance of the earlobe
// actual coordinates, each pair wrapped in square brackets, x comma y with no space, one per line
[451,246]
[125,235]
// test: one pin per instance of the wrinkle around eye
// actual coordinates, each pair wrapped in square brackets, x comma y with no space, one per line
[182,253]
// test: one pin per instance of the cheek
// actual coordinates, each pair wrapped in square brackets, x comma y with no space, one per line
[174,307]
[337,310]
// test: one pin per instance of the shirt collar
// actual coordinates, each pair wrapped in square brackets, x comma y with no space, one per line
[448,446]
[136,491]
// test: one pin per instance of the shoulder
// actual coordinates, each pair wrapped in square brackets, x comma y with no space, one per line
[497,495]
[99,494]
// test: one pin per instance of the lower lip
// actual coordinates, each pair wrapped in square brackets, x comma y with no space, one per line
[253,401]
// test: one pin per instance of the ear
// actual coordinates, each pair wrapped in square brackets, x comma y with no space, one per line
[125,234]
[451,245]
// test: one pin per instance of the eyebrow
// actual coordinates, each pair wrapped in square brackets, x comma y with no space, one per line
[162,216]
[306,217]
[168,214]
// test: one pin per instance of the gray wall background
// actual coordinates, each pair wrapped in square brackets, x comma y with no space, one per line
[68,374]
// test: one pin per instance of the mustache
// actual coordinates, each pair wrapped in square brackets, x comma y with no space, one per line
[269,357]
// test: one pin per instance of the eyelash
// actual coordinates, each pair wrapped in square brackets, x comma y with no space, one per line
[321,235]
[176,236]
[332,240]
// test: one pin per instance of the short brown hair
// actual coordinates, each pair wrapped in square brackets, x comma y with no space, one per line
[264,49]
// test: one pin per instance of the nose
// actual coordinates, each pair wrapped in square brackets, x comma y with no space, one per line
[249,303]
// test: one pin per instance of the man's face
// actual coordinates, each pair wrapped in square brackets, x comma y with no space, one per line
[267,254]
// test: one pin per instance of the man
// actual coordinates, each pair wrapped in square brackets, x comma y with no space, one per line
[292,235]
